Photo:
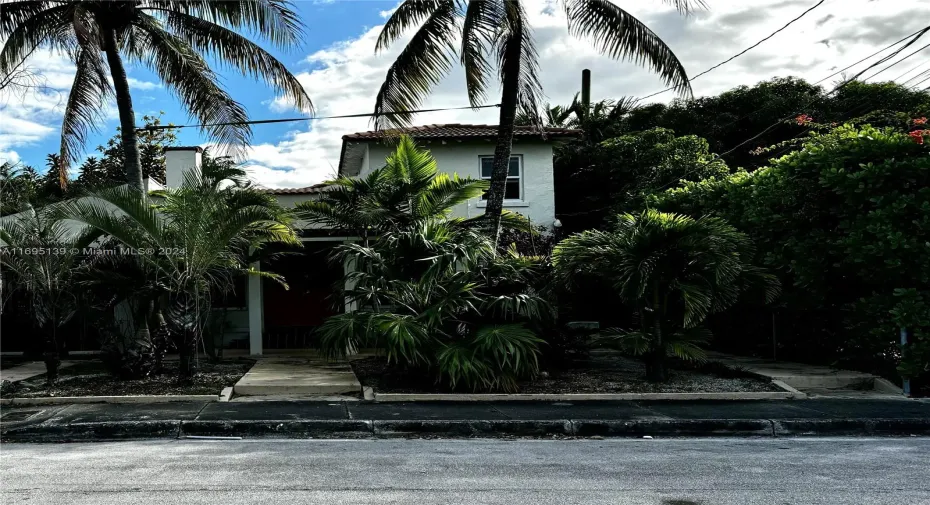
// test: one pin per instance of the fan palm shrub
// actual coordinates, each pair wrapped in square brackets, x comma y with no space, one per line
[674,270]
[171,38]
[38,255]
[189,239]
[493,39]
[438,298]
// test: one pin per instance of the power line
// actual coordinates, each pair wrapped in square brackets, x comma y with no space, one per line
[911,70]
[291,120]
[919,83]
[744,51]
[918,76]
[845,83]
[919,34]
[895,63]
[916,35]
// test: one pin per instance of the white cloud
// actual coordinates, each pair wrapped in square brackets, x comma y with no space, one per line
[346,75]
[9,156]
[142,85]
[30,113]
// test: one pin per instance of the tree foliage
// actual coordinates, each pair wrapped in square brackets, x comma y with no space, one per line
[408,189]
[845,222]
[675,271]
[189,239]
[619,173]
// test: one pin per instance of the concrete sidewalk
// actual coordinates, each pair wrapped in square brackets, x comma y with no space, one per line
[296,419]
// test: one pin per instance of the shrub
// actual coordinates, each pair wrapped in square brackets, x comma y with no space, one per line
[437,297]
[675,271]
[845,223]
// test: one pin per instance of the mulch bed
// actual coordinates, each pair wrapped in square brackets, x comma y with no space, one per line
[601,373]
[91,379]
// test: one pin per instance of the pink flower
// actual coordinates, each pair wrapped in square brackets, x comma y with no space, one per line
[918,135]
[920,121]
[804,120]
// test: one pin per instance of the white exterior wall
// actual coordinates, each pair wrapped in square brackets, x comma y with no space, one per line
[462,157]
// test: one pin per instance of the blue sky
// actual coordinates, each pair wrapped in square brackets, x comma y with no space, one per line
[338,68]
[326,22]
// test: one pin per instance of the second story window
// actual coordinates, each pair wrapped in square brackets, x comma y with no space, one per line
[514,188]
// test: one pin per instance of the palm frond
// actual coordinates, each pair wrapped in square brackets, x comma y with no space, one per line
[618,34]
[275,20]
[425,60]
[445,192]
[31,27]
[190,78]
[83,111]
[481,21]
[240,53]
[518,60]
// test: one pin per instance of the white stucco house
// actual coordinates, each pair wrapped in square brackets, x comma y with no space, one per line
[261,315]
[274,318]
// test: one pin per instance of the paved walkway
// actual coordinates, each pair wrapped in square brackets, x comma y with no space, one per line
[297,375]
[28,370]
[814,380]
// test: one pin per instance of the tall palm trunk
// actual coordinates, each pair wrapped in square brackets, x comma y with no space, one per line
[655,361]
[504,147]
[52,356]
[127,117]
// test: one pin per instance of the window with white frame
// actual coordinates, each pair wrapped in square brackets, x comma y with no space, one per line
[514,188]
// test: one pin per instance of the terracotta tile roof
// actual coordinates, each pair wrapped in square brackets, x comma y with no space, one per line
[316,188]
[458,131]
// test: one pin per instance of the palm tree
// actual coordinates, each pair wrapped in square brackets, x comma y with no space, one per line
[169,37]
[39,256]
[495,35]
[408,189]
[602,120]
[193,238]
[674,269]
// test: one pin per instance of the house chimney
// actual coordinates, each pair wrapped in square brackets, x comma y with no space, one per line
[179,160]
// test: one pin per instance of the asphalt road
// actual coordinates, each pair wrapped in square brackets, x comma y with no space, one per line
[617,472]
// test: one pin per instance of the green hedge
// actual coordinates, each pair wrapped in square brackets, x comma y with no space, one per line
[845,221]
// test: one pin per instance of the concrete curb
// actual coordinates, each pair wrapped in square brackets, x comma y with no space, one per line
[582,428]
[324,428]
[886,386]
[481,397]
[786,387]
[471,428]
[78,432]
[674,428]
[58,400]
[838,427]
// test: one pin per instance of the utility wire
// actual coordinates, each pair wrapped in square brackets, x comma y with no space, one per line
[752,113]
[744,51]
[918,76]
[314,118]
[919,83]
[916,33]
[895,63]
[920,33]
[913,69]
[842,85]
